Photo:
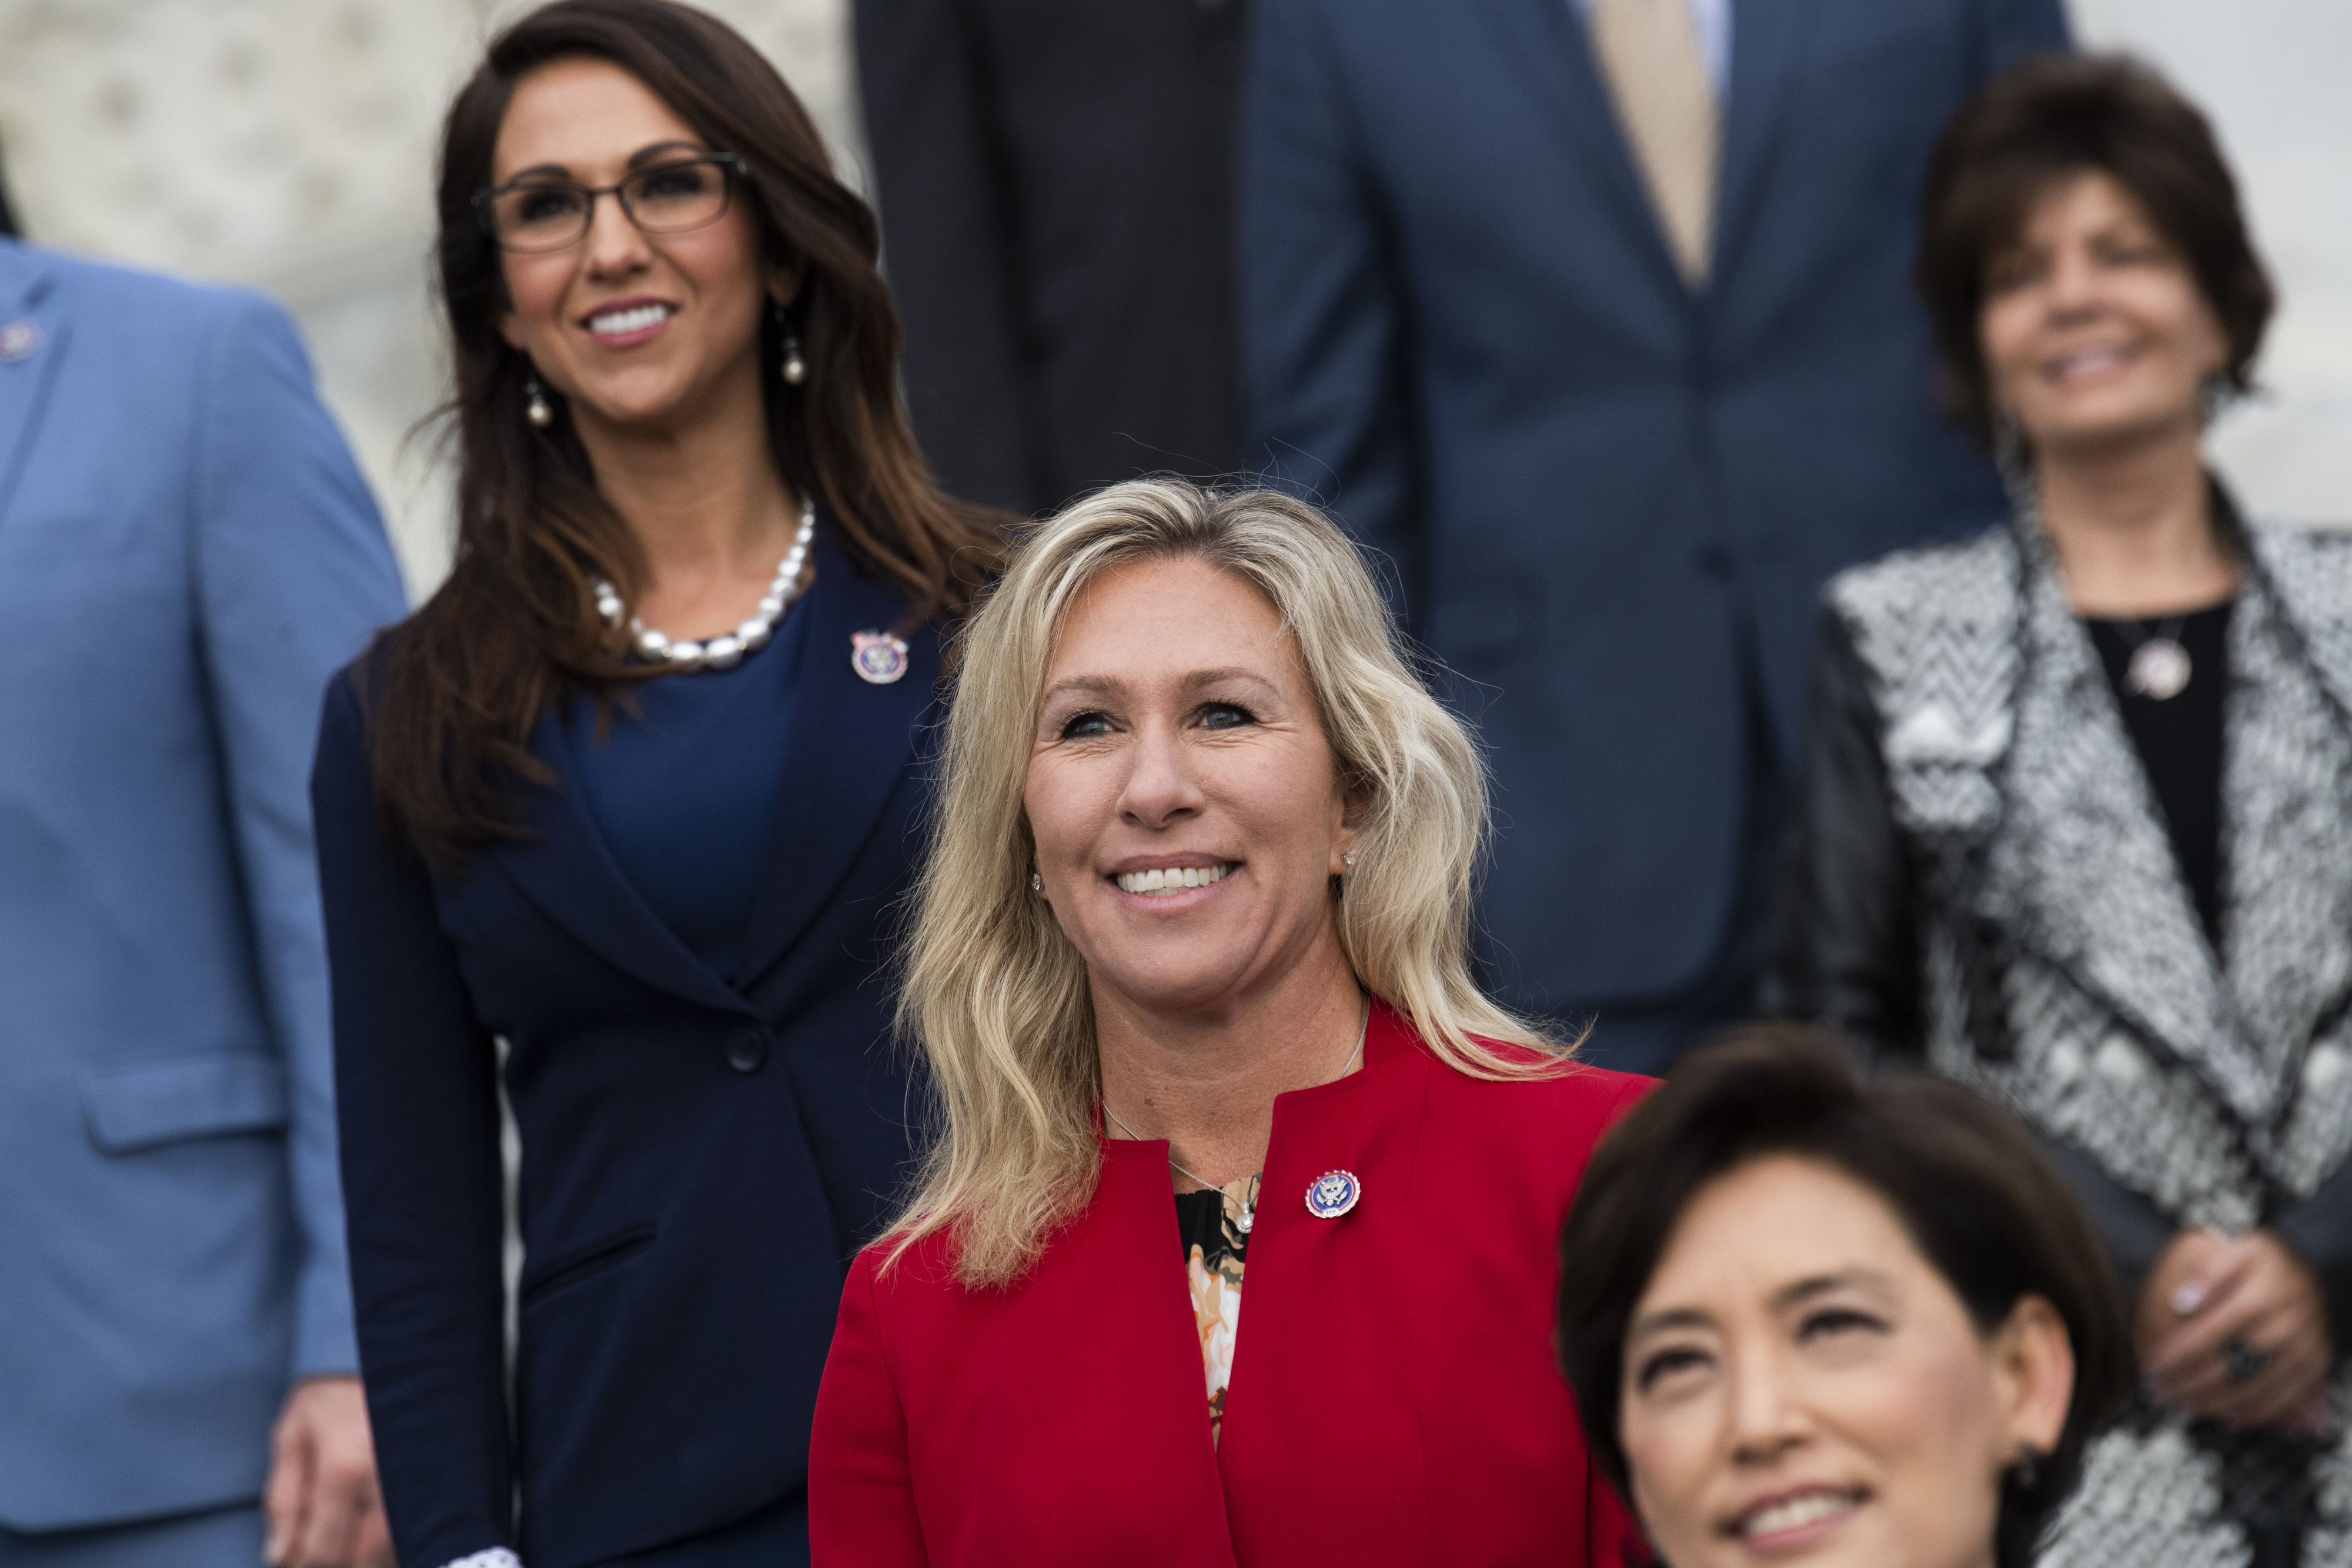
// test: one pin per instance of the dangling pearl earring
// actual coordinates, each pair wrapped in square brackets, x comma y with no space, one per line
[796,368]
[534,404]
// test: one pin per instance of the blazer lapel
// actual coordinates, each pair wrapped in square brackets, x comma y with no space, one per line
[2084,873]
[571,875]
[2287,860]
[1768,58]
[27,296]
[1320,1295]
[852,743]
[1547,41]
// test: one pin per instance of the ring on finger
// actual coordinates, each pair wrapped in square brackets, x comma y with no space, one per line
[2242,1362]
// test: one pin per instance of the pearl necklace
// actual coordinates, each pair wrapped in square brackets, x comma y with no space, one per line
[1249,1210]
[727,650]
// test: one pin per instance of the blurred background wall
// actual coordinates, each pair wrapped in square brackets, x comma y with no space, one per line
[288,144]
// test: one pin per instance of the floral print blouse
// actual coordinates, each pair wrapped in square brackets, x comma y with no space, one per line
[1214,1226]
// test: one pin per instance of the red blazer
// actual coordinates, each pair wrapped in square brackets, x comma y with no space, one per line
[1393,1397]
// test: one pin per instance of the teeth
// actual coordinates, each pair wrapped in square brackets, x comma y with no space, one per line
[1796,1512]
[1175,879]
[2089,359]
[617,322]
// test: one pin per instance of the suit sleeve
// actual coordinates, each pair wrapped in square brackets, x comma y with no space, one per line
[861,1482]
[1844,945]
[2134,1230]
[2319,1231]
[1321,299]
[950,246]
[2014,29]
[416,1078]
[292,574]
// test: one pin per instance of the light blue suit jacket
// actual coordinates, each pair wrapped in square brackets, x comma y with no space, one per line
[187,553]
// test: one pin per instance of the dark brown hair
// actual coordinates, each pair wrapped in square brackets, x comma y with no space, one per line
[1962,1175]
[515,626]
[2045,120]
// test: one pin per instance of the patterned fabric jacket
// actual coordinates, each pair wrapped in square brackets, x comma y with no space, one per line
[1979,874]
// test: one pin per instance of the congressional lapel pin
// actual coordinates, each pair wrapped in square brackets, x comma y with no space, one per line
[877,656]
[1333,1194]
[19,339]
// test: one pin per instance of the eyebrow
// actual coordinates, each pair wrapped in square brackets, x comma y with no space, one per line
[1676,1317]
[1080,685]
[1813,1285]
[650,153]
[1796,1293]
[1199,678]
[1109,686]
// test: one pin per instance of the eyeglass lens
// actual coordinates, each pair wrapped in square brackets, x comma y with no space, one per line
[668,198]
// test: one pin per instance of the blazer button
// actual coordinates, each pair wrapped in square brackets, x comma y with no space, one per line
[747,1050]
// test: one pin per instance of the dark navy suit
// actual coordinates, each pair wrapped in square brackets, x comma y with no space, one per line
[1609,501]
[699,1159]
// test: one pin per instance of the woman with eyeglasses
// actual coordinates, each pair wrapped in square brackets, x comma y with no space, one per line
[632,794]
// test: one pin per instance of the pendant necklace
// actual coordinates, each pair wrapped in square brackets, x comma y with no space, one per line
[1249,1205]
[2160,666]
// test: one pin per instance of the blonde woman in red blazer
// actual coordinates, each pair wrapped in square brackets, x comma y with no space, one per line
[1189,967]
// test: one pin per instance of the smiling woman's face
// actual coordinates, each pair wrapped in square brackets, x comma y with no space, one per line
[2094,329]
[1185,804]
[1801,1386]
[635,328]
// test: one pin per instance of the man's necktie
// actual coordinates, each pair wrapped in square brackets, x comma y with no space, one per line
[1648,56]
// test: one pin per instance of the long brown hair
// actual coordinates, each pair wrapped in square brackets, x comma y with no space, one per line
[515,626]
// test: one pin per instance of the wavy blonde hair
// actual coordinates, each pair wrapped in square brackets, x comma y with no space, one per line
[995,993]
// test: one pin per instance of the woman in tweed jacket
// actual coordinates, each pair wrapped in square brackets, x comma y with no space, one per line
[2076,826]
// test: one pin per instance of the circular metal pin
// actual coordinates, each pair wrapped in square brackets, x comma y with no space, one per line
[1333,1194]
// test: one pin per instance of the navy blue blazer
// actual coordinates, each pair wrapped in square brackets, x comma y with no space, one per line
[186,554]
[1609,502]
[699,1160]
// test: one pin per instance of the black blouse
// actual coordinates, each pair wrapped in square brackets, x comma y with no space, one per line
[2179,739]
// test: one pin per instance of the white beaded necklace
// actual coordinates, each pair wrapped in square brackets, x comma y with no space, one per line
[725,651]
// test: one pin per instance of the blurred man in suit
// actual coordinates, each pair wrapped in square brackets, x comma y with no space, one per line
[1594,316]
[186,552]
[1056,180]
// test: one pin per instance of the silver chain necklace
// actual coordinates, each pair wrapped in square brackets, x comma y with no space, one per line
[1249,1207]
[726,651]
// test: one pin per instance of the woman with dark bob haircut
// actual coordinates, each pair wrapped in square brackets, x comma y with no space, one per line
[2076,822]
[634,793]
[1858,1324]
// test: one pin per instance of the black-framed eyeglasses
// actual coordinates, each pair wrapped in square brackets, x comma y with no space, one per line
[538,213]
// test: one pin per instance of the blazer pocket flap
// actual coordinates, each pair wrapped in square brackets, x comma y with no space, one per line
[132,1108]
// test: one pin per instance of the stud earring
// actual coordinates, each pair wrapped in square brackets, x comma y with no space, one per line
[796,368]
[535,405]
[1349,859]
[1036,883]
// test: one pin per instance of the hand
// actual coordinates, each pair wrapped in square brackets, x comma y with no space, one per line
[322,1501]
[2208,1291]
